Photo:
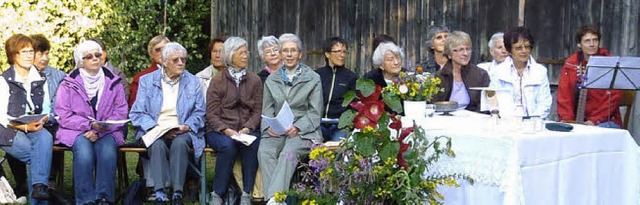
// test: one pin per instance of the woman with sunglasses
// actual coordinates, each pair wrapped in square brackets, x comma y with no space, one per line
[523,82]
[90,95]
[24,92]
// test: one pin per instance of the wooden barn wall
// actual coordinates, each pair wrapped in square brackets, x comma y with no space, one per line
[553,23]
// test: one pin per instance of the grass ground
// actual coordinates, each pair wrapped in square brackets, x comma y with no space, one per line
[131,161]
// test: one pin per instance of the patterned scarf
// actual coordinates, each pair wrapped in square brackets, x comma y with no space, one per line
[285,79]
[237,74]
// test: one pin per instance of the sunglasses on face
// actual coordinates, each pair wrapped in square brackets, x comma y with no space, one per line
[91,56]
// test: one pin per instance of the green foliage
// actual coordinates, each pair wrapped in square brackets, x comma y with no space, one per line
[125,25]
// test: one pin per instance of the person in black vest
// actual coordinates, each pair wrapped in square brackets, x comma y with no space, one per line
[27,94]
[336,81]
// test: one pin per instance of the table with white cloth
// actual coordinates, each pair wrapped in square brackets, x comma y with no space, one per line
[589,165]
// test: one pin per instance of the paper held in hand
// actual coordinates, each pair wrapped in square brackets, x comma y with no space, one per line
[155,133]
[109,122]
[244,139]
[26,119]
[282,122]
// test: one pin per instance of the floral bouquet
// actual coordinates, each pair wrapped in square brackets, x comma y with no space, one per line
[418,86]
[380,163]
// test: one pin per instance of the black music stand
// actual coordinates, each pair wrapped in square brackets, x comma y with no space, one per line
[613,72]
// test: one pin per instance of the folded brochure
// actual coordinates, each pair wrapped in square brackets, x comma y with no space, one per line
[283,121]
[155,133]
[26,119]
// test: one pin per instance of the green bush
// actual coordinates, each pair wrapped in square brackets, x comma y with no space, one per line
[125,25]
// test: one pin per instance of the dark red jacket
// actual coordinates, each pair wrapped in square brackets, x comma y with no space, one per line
[136,80]
[602,105]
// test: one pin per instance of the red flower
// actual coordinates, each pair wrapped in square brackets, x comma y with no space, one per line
[374,97]
[373,110]
[361,121]
[396,123]
[403,146]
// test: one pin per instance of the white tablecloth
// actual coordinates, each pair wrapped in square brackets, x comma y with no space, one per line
[588,165]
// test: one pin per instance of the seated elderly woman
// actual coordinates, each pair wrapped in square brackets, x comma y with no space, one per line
[526,80]
[268,51]
[388,58]
[497,51]
[24,92]
[435,43]
[458,75]
[299,86]
[234,106]
[94,144]
[170,98]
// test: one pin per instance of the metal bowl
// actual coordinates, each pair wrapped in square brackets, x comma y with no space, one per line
[446,107]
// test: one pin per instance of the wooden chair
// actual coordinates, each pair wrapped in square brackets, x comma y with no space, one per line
[628,98]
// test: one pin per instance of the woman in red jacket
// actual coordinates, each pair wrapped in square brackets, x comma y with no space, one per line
[601,107]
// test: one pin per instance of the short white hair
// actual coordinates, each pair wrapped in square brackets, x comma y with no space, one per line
[265,42]
[230,46]
[171,48]
[494,38]
[82,49]
[290,37]
[378,54]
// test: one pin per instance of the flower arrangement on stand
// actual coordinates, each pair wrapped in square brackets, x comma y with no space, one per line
[380,163]
[418,86]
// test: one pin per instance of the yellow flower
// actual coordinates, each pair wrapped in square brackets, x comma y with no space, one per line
[309,202]
[280,197]
[313,155]
[368,129]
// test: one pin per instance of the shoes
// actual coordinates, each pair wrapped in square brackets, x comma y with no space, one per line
[161,198]
[40,192]
[103,201]
[245,199]
[177,200]
[215,199]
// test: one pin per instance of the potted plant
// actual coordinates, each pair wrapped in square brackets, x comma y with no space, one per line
[415,88]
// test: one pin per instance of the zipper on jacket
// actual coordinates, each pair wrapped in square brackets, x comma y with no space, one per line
[333,82]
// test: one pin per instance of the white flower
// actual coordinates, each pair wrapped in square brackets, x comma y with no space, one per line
[403,89]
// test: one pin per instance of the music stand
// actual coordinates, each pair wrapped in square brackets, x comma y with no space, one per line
[613,72]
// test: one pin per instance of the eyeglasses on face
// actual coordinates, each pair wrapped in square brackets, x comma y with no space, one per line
[27,52]
[290,51]
[459,50]
[523,47]
[271,51]
[591,41]
[176,60]
[91,56]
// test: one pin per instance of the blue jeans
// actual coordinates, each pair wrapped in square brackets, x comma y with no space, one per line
[609,124]
[330,132]
[94,159]
[226,151]
[34,149]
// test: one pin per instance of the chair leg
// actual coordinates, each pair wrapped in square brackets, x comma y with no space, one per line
[123,174]
[60,175]
[203,181]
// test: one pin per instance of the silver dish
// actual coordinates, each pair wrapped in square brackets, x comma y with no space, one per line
[446,107]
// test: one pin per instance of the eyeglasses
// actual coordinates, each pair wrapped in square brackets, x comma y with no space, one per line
[340,52]
[27,52]
[522,48]
[272,51]
[175,60]
[592,41]
[290,51]
[458,50]
[90,56]
[158,49]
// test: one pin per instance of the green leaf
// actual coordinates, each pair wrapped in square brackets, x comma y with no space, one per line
[346,119]
[389,150]
[365,144]
[348,97]
[393,101]
[365,86]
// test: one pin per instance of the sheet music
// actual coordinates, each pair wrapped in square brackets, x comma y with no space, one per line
[282,122]
[601,70]
[109,122]
[244,139]
[155,133]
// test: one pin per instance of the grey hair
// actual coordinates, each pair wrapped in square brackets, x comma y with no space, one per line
[433,32]
[494,38]
[171,48]
[456,38]
[265,42]
[82,49]
[290,37]
[378,54]
[230,46]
